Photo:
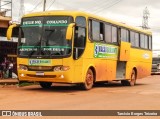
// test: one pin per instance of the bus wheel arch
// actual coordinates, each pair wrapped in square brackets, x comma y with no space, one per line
[132,80]
[89,79]
[133,77]
[94,72]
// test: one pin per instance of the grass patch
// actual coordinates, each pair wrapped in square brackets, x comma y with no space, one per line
[21,84]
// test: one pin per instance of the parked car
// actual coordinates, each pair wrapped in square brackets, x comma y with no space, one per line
[155,65]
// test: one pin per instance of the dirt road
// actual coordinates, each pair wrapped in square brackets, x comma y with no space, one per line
[143,96]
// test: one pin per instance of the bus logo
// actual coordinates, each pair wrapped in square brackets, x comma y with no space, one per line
[146,56]
[39,62]
[105,51]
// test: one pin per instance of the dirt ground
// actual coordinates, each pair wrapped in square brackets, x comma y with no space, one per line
[143,96]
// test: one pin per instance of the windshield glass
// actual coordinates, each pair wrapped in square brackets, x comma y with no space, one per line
[44,36]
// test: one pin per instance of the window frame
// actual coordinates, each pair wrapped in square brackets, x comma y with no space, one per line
[127,34]
[104,34]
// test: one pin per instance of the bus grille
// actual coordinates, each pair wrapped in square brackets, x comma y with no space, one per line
[40,68]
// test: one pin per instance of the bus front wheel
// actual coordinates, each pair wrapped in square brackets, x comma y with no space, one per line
[89,80]
[131,81]
[45,85]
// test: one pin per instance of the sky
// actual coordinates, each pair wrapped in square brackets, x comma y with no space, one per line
[126,11]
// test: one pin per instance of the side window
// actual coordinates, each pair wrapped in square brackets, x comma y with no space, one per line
[124,35]
[136,39]
[150,42]
[142,41]
[95,30]
[132,38]
[114,34]
[80,37]
[108,33]
[81,21]
[146,41]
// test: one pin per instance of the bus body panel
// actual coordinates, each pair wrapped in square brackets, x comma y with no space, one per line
[141,60]
[124,51]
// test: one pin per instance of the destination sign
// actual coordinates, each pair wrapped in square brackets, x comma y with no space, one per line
[32,22]
[39,21]
[46,22]
[56,22]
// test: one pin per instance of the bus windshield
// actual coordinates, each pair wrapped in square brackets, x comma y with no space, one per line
[44,36]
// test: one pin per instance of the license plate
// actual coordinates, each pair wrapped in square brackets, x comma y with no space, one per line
[40,73]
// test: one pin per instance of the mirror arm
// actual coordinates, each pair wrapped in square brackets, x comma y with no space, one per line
[10,29]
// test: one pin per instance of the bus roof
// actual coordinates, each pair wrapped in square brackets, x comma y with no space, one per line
[88,15]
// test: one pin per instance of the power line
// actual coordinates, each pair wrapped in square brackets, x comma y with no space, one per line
[36,6]
[109,5]
[21,10]
[94,4]
[51,4]
[67,5]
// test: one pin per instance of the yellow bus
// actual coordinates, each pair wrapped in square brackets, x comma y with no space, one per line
[79,48]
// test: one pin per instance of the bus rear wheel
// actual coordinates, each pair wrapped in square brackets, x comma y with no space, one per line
[45,85]
[132,80]
[89,80]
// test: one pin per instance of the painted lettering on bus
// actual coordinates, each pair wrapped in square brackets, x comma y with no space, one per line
[57,22]
[105,49]
[32,22]
[38,62]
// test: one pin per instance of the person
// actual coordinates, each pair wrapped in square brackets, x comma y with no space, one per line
[1,71]
[10,68]
[4,69]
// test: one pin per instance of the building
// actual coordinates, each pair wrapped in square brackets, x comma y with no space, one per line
[8,49]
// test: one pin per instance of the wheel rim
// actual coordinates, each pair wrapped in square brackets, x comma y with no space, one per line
[89,79]
[133,78]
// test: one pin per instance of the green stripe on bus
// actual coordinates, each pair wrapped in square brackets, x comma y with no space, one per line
[44,47]
[56,47]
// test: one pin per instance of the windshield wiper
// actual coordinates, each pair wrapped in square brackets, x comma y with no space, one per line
[49,35]
[37,44]
[47,40]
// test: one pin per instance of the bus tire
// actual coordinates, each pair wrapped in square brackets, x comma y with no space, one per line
[125,82]
[45,85]
[89,80]
[131,81]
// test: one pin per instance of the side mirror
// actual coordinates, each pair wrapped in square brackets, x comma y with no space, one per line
[69,32]
[9,31]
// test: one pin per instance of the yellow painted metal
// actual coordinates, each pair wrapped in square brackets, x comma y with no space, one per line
[124,51]
[9,31]
[69,33]
[141,60]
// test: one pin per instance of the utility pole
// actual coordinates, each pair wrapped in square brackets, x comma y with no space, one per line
[21,11]
[0,5]
[146,15]
[44,5]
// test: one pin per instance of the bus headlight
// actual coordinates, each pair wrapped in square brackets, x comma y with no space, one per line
[23,67]
[65,68]
[57,68]
[61,68]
